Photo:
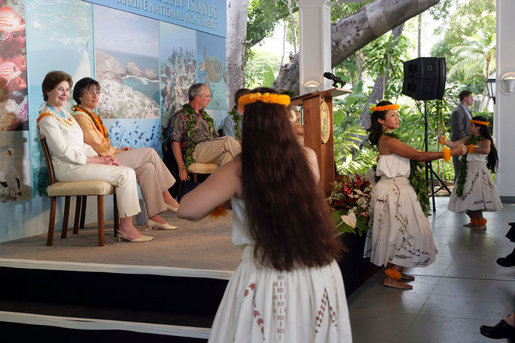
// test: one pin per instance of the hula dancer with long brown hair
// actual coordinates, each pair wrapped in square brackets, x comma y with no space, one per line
[400,235]
[288,286]
[475,190]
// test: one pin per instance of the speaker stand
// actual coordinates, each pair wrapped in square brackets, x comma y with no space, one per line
[429,164]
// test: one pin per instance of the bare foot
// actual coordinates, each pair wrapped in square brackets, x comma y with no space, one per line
[408,278]
[396,284]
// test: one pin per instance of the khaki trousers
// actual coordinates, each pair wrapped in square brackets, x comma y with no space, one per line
[152,174]
[218,151]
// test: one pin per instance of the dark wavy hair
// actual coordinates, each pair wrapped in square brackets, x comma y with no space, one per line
[376,129]
[82,85]
[492,158]
[289,219]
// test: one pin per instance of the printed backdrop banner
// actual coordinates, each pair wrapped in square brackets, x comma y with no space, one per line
[202,15]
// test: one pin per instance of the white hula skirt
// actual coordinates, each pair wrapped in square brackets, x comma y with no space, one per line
[266,305]
[479,191]
[400,233]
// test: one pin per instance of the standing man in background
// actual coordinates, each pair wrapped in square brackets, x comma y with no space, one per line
[460,117]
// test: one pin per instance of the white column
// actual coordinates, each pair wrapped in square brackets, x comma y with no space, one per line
[504,113]
[315,43]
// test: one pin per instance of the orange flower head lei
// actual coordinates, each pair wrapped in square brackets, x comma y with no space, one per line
[479,122]
[267,98]
[385,108]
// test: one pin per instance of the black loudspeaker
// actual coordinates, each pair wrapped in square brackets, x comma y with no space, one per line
[424,78]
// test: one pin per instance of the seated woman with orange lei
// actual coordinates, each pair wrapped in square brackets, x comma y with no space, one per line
[152,174]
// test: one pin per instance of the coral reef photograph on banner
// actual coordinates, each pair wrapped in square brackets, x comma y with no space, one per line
[13,67]
[59,38]
[178,67]
[211,68]
[127,64]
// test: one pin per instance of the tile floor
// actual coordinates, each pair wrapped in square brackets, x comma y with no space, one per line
[453,297]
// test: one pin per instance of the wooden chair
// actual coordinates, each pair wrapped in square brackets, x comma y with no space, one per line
[195,169]
[79,189]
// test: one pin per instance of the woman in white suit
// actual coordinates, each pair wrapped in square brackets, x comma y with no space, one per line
[74,160]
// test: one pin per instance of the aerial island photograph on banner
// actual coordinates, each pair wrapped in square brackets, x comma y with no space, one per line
[127,64]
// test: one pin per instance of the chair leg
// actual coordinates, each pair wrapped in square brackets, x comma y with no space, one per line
[66,215]
[78,200]
[51,222]
[179,190]
[100,210]
[116,216]
[83,211]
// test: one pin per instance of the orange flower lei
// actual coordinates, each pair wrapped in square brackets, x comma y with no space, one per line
[219,211]
[65,121]
[446,154]
[96,120]
[479,122]
[267,98]
[471,148]
[385,108]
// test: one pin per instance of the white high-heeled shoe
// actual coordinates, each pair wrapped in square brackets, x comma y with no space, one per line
[171,208]
[141,238]
[153,224]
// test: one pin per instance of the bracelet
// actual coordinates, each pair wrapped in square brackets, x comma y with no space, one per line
[442,141]
[446,154]
[471,148]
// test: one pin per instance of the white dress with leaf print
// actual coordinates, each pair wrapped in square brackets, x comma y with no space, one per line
[399,231]
[262,304]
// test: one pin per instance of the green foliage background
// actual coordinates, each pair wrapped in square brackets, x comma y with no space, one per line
[466,38]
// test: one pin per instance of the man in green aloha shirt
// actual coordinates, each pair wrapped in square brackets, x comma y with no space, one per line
[193,137]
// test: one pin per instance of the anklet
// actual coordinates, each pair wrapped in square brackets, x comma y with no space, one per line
[393,274]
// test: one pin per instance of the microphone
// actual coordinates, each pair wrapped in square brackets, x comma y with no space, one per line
[335,79]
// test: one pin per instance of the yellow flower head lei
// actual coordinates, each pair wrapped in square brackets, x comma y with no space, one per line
[385,108]
[267,98]
[479,122]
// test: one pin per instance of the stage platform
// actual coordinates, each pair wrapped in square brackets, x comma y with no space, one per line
[166,290]
[204,246]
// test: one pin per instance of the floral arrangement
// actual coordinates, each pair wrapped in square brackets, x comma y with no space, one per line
[350,202]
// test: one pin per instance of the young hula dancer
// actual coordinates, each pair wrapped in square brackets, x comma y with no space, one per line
[400,235]
[288,286]
[475,190]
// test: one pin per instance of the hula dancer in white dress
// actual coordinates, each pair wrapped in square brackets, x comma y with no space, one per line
[288,286]
[475,190]
[400,234]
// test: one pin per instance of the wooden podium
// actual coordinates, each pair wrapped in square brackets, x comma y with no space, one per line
[317,112]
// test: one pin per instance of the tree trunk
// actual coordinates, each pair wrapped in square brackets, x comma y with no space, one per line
[237,11]
[357,30]
[292,23]
[378,90]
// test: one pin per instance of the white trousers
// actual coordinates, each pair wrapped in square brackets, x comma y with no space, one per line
[123,178]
